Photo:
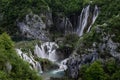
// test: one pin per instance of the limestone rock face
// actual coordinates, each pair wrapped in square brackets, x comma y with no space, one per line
[35,26]
[63,24]
[76,61]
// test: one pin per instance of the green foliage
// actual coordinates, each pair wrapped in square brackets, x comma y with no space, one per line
[6,42]
[71,40]
[114,27]
[3,76]
[20,69]
[107,11]
[65,6]
[95,72]
[82,71]
[116,75]
[27,46]
[14,10]
[109,70]
[110,66]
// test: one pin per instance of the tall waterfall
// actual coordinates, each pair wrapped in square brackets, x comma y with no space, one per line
[47,50]
[86,19]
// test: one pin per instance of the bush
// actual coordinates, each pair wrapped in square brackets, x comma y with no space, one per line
[110,66]
[116,75]
[71,40]
[95,72]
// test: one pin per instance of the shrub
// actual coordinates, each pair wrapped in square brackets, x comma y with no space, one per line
[20,69]
[95,72]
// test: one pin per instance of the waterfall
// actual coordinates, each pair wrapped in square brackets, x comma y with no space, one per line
[62,66]
[86,19]
[47,50]
[39,52]
[33,64]
[95,15]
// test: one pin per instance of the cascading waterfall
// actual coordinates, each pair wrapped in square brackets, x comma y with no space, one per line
[47,50]
[33,64]
[86,19]
[39,52]
[62,66]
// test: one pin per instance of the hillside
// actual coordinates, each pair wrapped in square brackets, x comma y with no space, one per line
[59,40]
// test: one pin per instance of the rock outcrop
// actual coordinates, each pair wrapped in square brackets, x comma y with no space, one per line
[76,61]
[63,24]
[35,26]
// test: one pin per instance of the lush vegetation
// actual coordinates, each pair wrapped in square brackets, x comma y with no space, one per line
[94,72]
[13,10]
[99,71]
[27,46]
[11,66]
[65,6]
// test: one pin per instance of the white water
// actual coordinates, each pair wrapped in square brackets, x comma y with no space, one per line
[33,64]
[62,66]
[95,15]
[84,19]
[47,50]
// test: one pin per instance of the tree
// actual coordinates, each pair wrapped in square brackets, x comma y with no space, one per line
[20,69]
[95,72]
[116,75]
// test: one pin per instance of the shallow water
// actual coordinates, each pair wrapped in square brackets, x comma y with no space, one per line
[53,73]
